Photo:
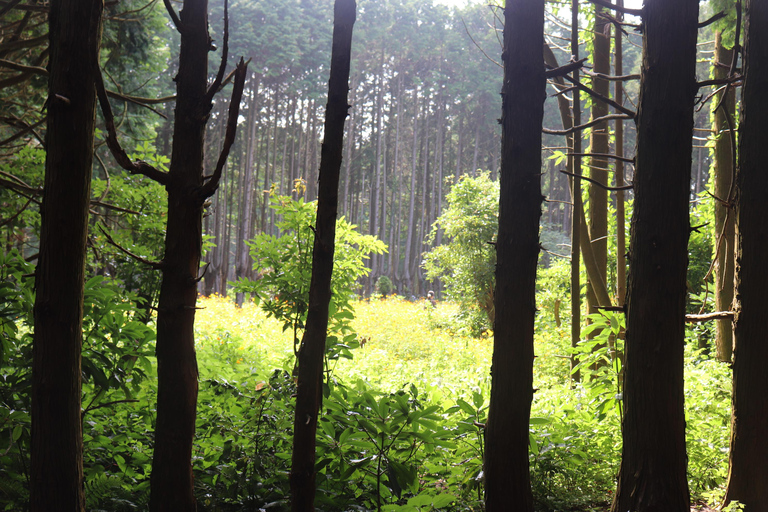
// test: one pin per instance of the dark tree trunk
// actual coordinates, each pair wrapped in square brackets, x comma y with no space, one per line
[749,450]
[171,482]
[312,351]
[56,479]
[653,468]
[507,475]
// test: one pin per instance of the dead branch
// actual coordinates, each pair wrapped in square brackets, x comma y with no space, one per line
[15,215]
[122,158]
[174,16]
[718,315]
[224,54]
[584,126]
[604,155]
[713,19]
[611,78]
[157,265]
[594,182]
[625,10]
[210,187]
[567,68]
[595,94]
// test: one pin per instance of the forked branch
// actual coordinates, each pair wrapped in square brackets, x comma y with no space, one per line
[234,111]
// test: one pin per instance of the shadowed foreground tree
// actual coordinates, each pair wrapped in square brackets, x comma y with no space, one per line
[653,467]
[748,475]
[56,478]
[507,474]
[171,481]
[311,354]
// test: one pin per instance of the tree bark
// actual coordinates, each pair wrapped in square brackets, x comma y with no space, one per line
[598,170]
[725,258]
[171,481]
[748,472]
[56,477]
[653,468]
[576,201]
[507,474]
[312,352]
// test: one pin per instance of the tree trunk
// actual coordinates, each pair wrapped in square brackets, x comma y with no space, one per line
[621,237]
[311,355]
[507,475]
[724,216]
[598,170]
[749,450]
[653,468]
[56,478]
[576,232]
[171,481]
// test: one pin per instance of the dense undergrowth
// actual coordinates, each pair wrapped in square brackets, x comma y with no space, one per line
[402,424]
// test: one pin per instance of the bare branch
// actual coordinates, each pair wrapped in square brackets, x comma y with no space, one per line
[567,68]
[595,94]
[117,150]
[21,67]
[611,78]
[604,155]
[586,125]
[174,16]
[713,19]
[15,215]
[594,182]
[718,315]
[224,54]
[234,111]
[625,10]
[157,265]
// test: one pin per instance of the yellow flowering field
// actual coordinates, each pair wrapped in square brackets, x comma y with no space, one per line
[404,343]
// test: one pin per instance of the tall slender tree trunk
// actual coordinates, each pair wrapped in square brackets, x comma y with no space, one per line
[171,481]
[407,276]
[748,472]
[725,258]
[653,467]
[312,352]
[576,233]
[507,474]
[621,237]
[598,170]
[56,476]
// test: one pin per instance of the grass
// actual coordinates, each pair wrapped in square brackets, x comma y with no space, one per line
[575,442]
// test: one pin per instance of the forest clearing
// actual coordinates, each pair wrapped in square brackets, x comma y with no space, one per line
[383,255]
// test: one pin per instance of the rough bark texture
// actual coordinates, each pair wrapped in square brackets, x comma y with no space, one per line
[653,469]
[598,170]
[749,450]
[56,477]
[507,475]
[576,201]
[171,482]
[311,355]
[725,258]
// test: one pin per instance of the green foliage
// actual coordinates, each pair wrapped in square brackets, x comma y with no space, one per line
[284,268]
[466,262]
[137,224]
[384,286]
